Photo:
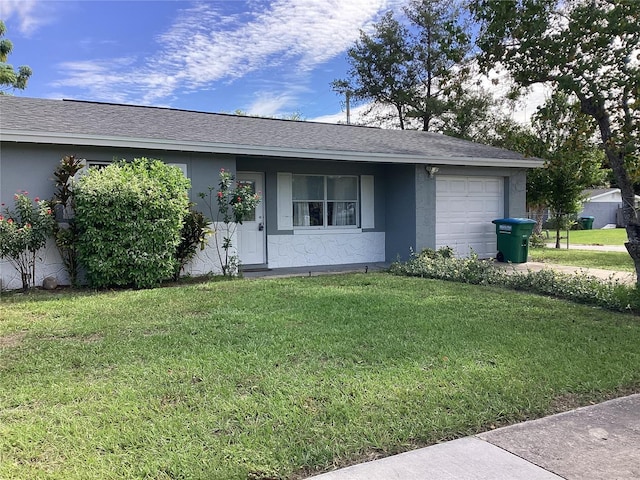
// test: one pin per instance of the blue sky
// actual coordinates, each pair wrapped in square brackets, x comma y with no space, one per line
[265,57]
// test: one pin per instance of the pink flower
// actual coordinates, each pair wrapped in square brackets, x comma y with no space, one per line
[219,194]
[1,218]
[16,196]
[37,199]
[10,221]
[28,225]
[239,199]
[49,211]
[222,170]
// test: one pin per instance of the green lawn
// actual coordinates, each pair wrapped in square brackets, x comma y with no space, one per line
[620,261]
[609,236]
[283,378]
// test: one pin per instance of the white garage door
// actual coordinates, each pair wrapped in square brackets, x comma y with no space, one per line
[465,207]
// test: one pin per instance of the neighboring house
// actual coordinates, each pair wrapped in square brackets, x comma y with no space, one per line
[603,205]
[332,194]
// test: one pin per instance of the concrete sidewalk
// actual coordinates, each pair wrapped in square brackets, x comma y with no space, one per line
[599,442]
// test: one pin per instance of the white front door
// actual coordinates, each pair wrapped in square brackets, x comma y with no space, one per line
[251,234]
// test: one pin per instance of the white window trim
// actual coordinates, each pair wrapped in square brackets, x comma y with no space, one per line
[336,230]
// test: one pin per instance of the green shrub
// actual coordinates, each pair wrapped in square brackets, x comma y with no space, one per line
[129,217]
[195,229]
[537,240]
[581,288]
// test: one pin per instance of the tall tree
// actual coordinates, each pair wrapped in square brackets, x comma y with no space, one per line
[441,46]
[470,114]
[419,67]
[381,69]
[9,78]
[585,47]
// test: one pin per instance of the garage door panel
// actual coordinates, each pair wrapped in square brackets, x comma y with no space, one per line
[476,187]
[458,229]
[474,208]
[458,187]
[479,229]
[496,187]
[465,207]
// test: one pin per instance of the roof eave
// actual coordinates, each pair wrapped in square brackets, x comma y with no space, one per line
[253,150]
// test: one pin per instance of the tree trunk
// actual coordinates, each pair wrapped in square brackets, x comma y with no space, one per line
[538,215]
[400,117]
[615,157]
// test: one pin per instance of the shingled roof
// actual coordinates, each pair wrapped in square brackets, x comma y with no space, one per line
[71,122]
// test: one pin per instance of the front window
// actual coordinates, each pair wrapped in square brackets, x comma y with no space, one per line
[325,201]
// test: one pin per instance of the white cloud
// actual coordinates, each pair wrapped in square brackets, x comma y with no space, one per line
[206,44]
[31,14]
[268,104]
[103,79]
[356,115]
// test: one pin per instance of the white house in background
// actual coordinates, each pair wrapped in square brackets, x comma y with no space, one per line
[603,204]
[331,194]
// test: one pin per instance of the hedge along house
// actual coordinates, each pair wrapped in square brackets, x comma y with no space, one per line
[332,194]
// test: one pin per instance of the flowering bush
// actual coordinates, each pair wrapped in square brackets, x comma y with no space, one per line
[24,231]
[235,202]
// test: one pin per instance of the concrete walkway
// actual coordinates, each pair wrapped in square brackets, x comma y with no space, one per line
[623,277]
[599,442]
[601,248]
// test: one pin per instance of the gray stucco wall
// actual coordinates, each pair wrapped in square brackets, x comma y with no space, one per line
[425,209]
[31,167]
[516,194]
[400,210]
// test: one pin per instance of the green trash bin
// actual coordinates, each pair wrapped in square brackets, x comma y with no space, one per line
[587,222]
[513,239]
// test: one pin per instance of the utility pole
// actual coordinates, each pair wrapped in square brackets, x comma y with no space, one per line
[347,95]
